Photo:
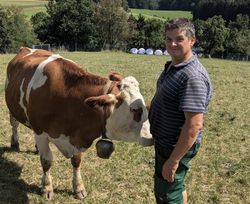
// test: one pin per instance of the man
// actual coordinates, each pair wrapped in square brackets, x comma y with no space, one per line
[176,113]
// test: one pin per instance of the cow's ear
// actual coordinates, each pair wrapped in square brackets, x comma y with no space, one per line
[115,76]
[98,102]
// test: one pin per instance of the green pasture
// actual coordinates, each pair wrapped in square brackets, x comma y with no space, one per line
[161,14]
[29,7]
[219,173]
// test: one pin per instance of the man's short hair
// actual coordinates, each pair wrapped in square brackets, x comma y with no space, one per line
[182,23]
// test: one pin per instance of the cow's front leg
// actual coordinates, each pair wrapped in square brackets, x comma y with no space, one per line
[46,161]
[78,187]
[14,137]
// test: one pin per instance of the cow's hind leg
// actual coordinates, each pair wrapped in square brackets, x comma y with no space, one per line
[46,161]
[78,187]
[14,137]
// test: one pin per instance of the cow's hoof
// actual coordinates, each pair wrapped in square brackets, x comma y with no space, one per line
[48,195]
[80,195]
[15,147]
[36,151]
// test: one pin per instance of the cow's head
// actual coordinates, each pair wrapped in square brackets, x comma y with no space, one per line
[126,113]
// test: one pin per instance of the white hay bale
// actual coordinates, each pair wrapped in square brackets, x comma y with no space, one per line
[165,52]
[149,51]
[158,52]
[141,51]
[134,50]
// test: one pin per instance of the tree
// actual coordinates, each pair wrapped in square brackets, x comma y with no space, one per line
[154,32]
[177,4]
[69,22]
[242,22]
[138,40]
[112,22]
[4,37]
[149,33]
[15,30]
[40,21]
[132,3]
[144,4]
[125,5]
[227,9]
[153,4]
[211,35]
[239,35]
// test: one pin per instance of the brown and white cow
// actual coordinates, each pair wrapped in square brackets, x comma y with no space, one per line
[71,107]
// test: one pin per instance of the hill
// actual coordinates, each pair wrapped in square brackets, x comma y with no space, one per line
[30,7]
[160,14]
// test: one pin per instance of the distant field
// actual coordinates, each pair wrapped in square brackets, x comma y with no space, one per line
[220,171]
[160,14]
[30,7]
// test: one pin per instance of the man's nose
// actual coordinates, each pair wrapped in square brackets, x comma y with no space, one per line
[173,43]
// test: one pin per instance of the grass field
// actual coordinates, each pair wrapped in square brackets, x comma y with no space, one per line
[160,14]
[31,7]
[219,173]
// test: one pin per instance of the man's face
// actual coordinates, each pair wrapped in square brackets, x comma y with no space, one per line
[178,45]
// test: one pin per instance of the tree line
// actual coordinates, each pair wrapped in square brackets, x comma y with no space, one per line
[201,9]
[107,24]
[227,9]
[15,30]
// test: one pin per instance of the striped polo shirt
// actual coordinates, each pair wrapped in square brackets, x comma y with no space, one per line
[185,87]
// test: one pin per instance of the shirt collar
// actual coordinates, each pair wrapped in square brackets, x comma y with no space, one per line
[182,64]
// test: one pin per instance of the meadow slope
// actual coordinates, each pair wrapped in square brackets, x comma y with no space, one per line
[220,171]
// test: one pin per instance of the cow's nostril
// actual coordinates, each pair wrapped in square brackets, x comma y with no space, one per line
[137,114]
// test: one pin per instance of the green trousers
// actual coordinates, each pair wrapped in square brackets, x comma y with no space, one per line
[166,192]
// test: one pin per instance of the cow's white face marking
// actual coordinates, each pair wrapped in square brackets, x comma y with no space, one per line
[121,125]
[39,79]
[64,145]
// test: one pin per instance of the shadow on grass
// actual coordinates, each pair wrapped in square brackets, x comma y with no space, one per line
[12,188]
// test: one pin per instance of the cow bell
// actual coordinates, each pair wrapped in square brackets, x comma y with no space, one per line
[104,148]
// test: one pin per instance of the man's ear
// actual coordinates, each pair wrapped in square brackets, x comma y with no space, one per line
[99,102]
[193,41]
[115,76]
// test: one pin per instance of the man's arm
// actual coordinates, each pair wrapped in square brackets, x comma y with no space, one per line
[193,124]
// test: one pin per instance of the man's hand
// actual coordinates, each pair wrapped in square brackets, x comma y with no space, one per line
[188,135]
[168,170]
